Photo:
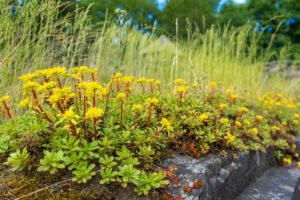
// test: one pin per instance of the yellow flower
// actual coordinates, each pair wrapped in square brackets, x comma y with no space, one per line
[181,89]
[128,79]
[179,80]
[278,104]
[296,116]
[213,84]
[224,120]
[104,92]
[276,128]
[195,84]
[284,123]
[228,91]
[70,116]
[287,160]
[29,86]
[4,99]
[243,109]
[237,123]
[247,122]
[94,113]
[46,86]
[298,164]
[294,146]
[150,80]
[203,117]
[57,71]
[152,101]
[290,106]
[157,82]
[121,95]
[27,77]
[167,125]
[242,98]
[24,103]
[91,87]
[137,107]
[222,106]
[254,131]
[259,117]
[42,73]
[60,94]
[140,80]
[296,155]
[234,96]
[92,71]
[230,138]
[295,121]
[83,85]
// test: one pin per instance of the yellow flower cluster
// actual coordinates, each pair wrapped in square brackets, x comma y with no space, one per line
[29,86]
[254,131]
[181,89]
[228,91]
[24,103]
[243,109]
[128,79]
[213,84]
[46,86]
[4,99]
[259,117]
[287,160]
[150,80]
[179,81]
[94,113]
[224,120]
[152,101]
[203,117]
[140,80]
[60,94]
[229,137]
[70,116]
[222,106]
[276,128]
[121,95]
[167,125]
[137,107]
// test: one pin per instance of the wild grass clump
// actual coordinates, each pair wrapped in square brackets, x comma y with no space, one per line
[42,34]
[122,129]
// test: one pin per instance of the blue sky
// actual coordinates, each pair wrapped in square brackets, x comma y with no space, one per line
[162,2]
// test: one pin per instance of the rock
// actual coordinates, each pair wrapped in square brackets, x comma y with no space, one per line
[276,184]
[223,178]
[297,150]
[296,195]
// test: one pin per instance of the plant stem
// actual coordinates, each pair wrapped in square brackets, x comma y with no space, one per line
[8,112]
[149,116]
[136,120]
[121,119]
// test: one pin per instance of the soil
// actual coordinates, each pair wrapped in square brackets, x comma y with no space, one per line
[36,186]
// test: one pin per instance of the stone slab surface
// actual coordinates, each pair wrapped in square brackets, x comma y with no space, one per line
[224,178]
[275,184]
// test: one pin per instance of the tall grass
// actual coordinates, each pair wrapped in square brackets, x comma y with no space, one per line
[39,37]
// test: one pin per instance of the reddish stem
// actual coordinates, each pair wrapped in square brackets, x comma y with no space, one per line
[8,112]
[121,119]
[156,134]
[149,116]
[136,120]
[95,130]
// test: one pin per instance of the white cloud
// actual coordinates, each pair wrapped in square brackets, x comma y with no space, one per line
[240,1]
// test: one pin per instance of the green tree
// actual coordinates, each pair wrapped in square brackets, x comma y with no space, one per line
[279,19]
[143,11]
[200,14]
